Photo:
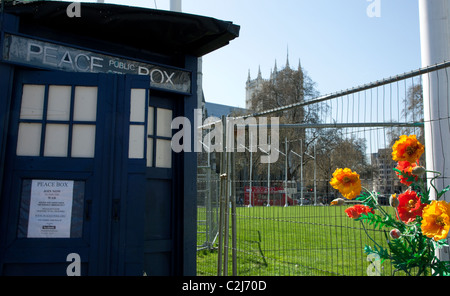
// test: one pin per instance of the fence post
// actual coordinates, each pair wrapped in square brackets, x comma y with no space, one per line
[209,228]
[268,178]
[251,170]
[285,173]
[226,207]
[301,171]
[223,189]
[233,215]
[219,249]
[315,176]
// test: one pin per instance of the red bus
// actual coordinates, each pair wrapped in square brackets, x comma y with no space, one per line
[259,196]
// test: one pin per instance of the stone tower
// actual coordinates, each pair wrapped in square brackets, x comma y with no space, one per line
[252,86]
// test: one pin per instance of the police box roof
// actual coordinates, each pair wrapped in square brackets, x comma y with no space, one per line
[154,30]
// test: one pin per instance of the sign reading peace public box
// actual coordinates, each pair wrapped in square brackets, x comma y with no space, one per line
[50,208]
[23,50]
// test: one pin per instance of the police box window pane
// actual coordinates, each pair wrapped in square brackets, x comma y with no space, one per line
[83,140]
[164,121]
[149,152]
[32,102]
[29,139]
[137,105]
[163,154]
[59,102]
[136,142]
[56,140]
[150,121]
[85,106]
[76,211]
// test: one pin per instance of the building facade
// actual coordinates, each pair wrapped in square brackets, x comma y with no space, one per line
[385,180]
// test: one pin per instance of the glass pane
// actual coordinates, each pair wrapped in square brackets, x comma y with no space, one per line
[32,101]
[163,154]
[149,152]
[150,122]
[83,140]
[137,105]
[85,108]
[164,120]
[59,102]
[136,145]
[56,140]
[29,139]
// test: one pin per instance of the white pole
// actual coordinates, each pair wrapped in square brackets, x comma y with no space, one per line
[435,47]
[175,5]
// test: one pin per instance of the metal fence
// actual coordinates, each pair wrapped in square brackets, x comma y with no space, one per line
[207,208]
[276,220]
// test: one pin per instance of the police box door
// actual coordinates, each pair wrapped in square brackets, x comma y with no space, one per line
[62,192]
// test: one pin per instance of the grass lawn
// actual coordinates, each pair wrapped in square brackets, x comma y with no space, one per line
[297,241]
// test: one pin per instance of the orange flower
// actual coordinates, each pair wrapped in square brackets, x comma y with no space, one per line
[407,148]
[356,211]
[409,206]
[407,168]
[347,182]
[436,220]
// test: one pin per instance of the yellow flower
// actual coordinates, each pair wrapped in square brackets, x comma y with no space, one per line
[436,220]
[347,182]
[407,148]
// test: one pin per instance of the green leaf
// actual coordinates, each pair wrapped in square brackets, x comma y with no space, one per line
[443,191]
[363,196]
[439,244]
[380,251]
[378,221]
[398,171]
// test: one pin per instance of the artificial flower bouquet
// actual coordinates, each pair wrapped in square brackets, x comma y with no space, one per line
[419,227]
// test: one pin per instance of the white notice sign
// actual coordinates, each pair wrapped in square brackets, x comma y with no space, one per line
[50,208]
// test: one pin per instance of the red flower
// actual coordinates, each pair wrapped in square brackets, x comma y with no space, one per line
[409,206]
[406,168]
[356,211]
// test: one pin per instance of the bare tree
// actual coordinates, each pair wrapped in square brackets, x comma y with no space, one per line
[289,86]
[411,112]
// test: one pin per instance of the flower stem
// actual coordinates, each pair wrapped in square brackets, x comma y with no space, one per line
[371,195]
[432,179]
[365,230]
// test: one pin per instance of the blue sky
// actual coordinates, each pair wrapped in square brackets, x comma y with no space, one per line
[338,44]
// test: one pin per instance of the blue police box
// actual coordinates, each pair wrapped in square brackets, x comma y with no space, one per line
[88,180]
